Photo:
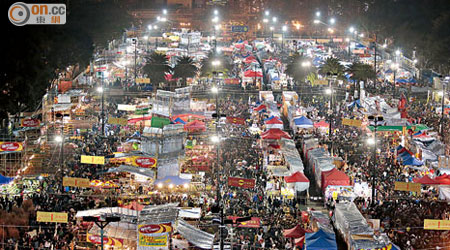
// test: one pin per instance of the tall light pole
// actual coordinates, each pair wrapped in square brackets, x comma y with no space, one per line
[283,29]
[329,92]
[442,95]
[60,139]
[375,122]
[135,41]
[271,30]
[216,139]
[101,90]
[394,67]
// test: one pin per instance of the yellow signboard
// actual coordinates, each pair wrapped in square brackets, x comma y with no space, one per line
[320,82]
[436,224]
[51,217]
[117,121]
[351,122]
[76,182]
[407,186]
[142,80]
[88,159]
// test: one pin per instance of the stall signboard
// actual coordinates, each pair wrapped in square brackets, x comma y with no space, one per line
[320,82]
[117,121]
[241,182]
[407,186]
[351,122]
[89,159]
[235,120]
[96,239]
[142,80]
[30,123]
[126,107]
[76,182]
[231,81]
[51,217]
[436,224]
[239,28]
[11,146]
[255,222]
[144,162]
[154,235]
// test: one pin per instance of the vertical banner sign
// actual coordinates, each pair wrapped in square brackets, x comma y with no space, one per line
[89,159]
[154,236]
[51,217]
[436,224]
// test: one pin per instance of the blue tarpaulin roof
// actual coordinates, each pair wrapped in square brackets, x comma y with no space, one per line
[303,121]
[320,240]
[5,180]
[412,161]
[179,120]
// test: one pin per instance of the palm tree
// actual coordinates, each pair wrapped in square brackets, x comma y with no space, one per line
[361,72]
[298,67]
[184,68]
[332,66]
[156,68]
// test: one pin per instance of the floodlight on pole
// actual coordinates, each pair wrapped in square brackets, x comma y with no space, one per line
[100,89]
[215,139]
[306,64]
[267,12]
[274,19]
[397,52]
[164,11]
[214,90]
[284,28]
[318,14]
[328,91]
[316,21]
[351,29]
[58,138]
[332,20]
[150,27]
[371,141]
[216,12]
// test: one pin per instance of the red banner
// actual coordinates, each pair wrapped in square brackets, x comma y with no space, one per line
[10,146]
[231,81]
[30,122]
[241,182]
[255,222]
[106,240]
[145,162]
[156,228]
[235,120]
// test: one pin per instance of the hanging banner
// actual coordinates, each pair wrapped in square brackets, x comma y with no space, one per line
[89,159]
[11,146]
[320,82]
[126,107]
[351,122]
[29,123]
[241,182]
[117,121]
[154,235]
[142,80]
[96,239]
[436,224]
[231,81]
[51,217]
[144,162]
[235,120]
[407,186]
[76,182]
[255,222]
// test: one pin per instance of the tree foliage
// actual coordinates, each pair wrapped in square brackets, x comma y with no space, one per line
[185,67]
[332,66]
[156,68]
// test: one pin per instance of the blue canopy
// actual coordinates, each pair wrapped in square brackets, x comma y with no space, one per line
[175,180]
[412,161]
[179,120]
[5,180]
[301,121]
[320,240]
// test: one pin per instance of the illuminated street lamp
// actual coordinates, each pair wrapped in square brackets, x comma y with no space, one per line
[306,64]
[284,29]
[318,14]
[316,21]
[351,29]
[394,67]
[164,11]
[265,20]
[274,19]
[267,13]
[216,12]
[332,21]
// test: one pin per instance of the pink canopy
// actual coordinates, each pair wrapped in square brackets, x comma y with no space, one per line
[274,134]
[321,124]
[251,73]
[295,232]
[296,177]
